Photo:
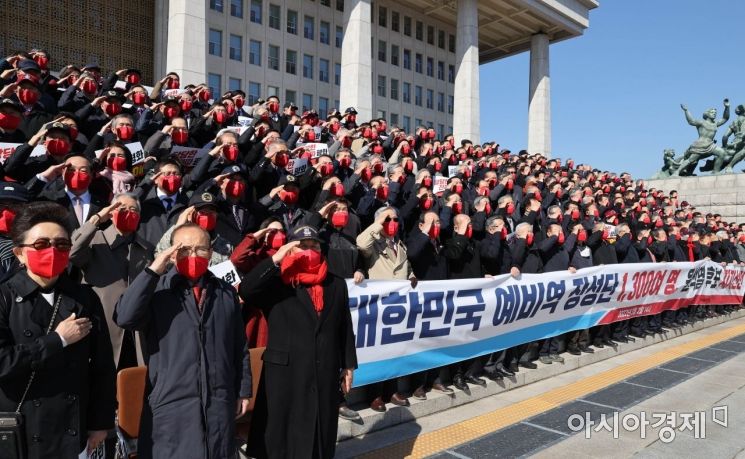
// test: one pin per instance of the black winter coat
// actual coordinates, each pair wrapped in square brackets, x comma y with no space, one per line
[197,364]
[73,389]
[297,402]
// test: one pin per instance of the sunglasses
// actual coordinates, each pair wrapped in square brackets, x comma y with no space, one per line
[388,219]
[61,244]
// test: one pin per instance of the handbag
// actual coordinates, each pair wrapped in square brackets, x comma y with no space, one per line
[12,433]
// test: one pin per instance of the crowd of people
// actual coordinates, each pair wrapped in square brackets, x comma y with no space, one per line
[105,254]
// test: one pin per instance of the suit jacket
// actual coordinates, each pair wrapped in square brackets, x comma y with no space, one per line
[109,263]
[381,261]
[55,192]
[154,219]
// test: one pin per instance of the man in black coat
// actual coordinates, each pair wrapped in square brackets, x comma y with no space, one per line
[199,376]
[311,347]
[163,203]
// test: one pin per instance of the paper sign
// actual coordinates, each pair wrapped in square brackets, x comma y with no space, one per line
[185,155]
[138,153]
[440,184]
[120,84]
[452,171]
[245,121]
[227,272]
[317,149]
[172,92]
[7,149]
[297,166]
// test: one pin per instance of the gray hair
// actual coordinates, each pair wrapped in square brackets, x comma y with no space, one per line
[523,225]
[504,199]
[383,209]
[128,195]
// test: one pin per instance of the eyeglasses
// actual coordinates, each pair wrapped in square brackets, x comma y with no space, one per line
[61,244]
[199,251]
[388,219]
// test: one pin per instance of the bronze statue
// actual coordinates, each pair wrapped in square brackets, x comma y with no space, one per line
[704,146]
[670,164]
[737,147]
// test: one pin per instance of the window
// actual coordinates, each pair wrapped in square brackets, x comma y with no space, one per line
[273,61]
[441,102]
[254,52]
[325,32]
[291,62]
[216,5]
[441,39]
[326,2]
[383,16]
[407,123]
[254,92]
[382,46]
[236,47]
[309,27]
[307,102]
[431,35]
[451,104]
[214,81]
[430,125]
[394,119]
[419,30]
[418,63]
[234,84]
[418,96]
[407,26]
[290,96]
[323,70]
[381,114]
[407,93]
[292,22]
[381,86]
[275,16]
[395,19]
[407,59]
[394,55]
[308,66]
[418,122]
[340,6]
[451,43]
[272,91]
[394,89]
[339,36]
[440,128]
[256,11]
[337,75]
[441,70]
[236,8]
[430,98]
[451,73]
[323,106]
[215,45]
[430,67]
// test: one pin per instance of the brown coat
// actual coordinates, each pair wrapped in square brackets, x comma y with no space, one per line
[109,263]
[379,259]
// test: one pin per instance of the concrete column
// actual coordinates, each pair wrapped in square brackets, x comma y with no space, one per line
[539,103]
[356,59]
[187,40]
[160,40]
[466,97]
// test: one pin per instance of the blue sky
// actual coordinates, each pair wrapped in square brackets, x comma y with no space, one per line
[616,91]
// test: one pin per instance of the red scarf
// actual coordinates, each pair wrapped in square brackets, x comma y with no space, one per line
[690,250]
[294,273]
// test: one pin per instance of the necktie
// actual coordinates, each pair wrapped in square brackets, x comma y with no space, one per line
[690,250]
[77,205]
[237,214]
[198,298]
[392,245]
[168,202]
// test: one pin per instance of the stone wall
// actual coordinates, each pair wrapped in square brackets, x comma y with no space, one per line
[718,194]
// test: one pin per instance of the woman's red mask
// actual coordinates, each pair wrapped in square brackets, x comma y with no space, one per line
[173,83]
[276,239]
[116,163]
[326,169]
[365,174]
[47,263]
[529,239]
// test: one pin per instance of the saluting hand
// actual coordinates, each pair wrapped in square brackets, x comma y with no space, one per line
[284,251]
[160,264]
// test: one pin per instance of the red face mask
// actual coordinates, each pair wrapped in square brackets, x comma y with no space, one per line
[308,261]
[334,127]
[326,169]
[288,197]
[457,188]
[28,96]
[346,142]
[310,136]
[124,132]
[337,189]
[390,228]
[220,117]
[646,220]
[469,232]
[173,83]
[503,234]
[192,267]
[378,168]
[510,208]
[405,149]
[6,220]
[408,167]
[561,238]
[126,221]
[274,107]
[382,193]
[606,234]
[234,188]
[658,224]
[47,263]
[41,61]
[133,78]
[529,239]
[206,220]
[425,202]
[9,122]
[434,232]
[204,95]
[138,98]
[351,118]
[276,239]
[77,181]
[487,208]
[575,215]
[377,149]
[113,108]
[185,105]
[180,136]
[281,160]
[345,162]
[582,236]
[171,112]
[230,151]
[340,219]
[427,181]
[230,108]
[116,163]
[239,101]
[438,167]
[89,87]
[366,174]
[484,191]
[170,184]
[457,207]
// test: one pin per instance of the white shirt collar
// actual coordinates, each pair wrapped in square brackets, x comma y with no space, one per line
[85,197]
[162,195]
